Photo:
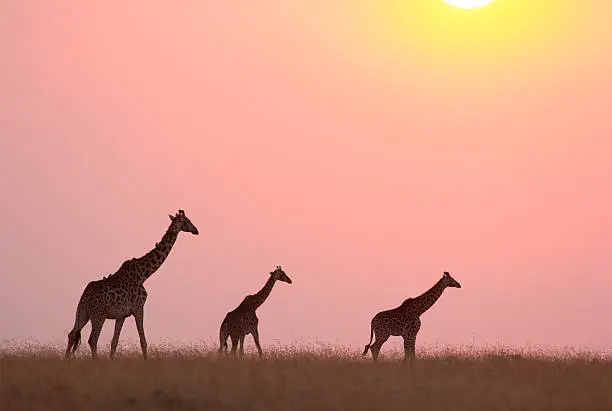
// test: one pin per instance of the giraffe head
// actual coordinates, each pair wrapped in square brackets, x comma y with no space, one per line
[182,223]
[279,275]
[449,281]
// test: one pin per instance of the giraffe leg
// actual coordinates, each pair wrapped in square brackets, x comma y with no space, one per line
[234,340]
[241,346]
[378,343]
[255,334]
[96,329]
[139,317]
[409,347]
[410,339]
[115,340]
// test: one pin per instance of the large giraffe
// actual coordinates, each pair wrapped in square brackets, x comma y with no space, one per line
[404,320]
[122,294]
[242,321]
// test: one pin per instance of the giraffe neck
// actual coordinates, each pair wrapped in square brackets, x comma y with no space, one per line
[262,295]
[151,261]
[424,301]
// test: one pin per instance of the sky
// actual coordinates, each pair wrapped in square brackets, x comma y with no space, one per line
[366,146]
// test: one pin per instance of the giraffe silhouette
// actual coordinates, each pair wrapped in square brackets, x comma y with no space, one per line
[122,294]
[404,320]
[242,321]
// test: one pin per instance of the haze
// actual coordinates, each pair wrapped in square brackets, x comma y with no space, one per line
[291,138]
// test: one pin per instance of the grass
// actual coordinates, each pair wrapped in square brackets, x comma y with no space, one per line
[311,378]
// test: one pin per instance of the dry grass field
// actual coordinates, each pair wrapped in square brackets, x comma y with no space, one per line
[303,379]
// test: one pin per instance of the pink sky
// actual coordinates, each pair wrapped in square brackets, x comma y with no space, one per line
[289,137]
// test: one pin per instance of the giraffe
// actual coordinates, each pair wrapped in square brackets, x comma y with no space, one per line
[404,320]
[122,294]
[242,321]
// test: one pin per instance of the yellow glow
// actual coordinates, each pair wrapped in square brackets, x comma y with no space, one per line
[468,4]
[434,35]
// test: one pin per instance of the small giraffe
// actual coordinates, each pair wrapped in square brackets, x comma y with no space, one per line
[404,320]
[122,294]
[243,321]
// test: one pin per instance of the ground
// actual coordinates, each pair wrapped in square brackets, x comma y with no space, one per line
[304,379]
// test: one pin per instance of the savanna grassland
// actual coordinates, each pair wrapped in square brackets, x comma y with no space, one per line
[304,379]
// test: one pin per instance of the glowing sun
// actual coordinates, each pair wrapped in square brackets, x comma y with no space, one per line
[468,4]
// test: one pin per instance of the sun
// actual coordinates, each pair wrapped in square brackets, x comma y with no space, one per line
[468,4]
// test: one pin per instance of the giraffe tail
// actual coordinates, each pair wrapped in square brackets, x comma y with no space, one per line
[74,340]
[77,340]
[74,336]
[367,347]
[222,340]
